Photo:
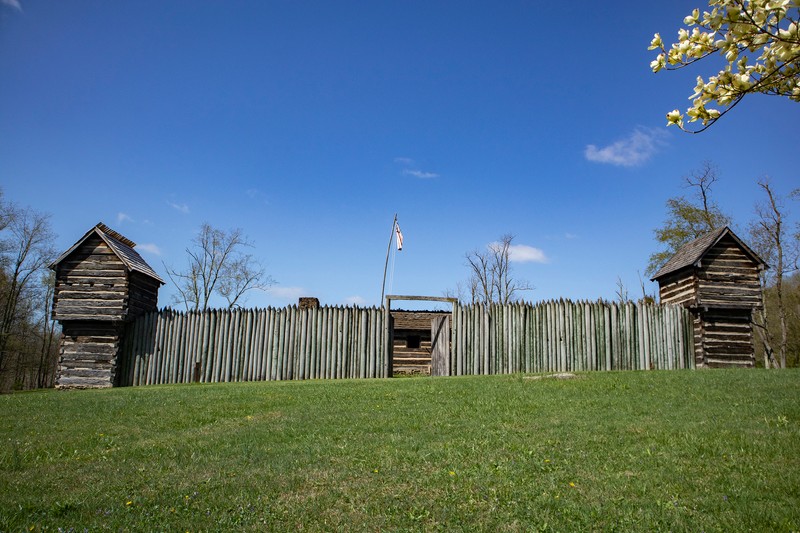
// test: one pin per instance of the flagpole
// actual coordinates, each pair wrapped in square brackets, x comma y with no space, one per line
[386,265]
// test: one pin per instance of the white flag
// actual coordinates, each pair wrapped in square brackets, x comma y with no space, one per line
[399,236]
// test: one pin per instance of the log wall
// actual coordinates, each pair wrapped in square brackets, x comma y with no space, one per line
[416,320]
[88,354]
[727,339]
[679,289]
[142,295]
[91,284]
[727,277]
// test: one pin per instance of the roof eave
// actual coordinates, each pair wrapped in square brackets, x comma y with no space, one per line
[105,238]
[697,262]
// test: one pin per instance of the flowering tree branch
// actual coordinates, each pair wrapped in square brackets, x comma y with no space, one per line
[759,41]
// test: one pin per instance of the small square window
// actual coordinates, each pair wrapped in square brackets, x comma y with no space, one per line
[412,341]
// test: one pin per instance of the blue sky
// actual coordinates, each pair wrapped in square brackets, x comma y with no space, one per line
[310,124]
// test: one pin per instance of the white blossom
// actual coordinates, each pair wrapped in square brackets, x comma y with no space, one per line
[759,41]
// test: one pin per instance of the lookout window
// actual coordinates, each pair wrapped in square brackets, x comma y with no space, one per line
[412,341]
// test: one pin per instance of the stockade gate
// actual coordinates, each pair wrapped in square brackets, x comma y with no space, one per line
[296,343]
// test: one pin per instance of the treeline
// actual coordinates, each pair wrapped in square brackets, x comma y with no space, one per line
[28,336]
[791,303]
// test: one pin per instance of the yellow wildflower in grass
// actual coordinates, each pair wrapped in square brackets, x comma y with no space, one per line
[452,473]
[571,484]
[128,503]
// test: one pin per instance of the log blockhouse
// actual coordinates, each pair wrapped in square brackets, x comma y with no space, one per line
[717,278]
[412,341]
[101,284]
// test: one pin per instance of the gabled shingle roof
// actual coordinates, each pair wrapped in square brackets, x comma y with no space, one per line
[690,253]
[120,245]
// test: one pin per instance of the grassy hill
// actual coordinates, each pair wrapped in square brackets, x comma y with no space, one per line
[681,450]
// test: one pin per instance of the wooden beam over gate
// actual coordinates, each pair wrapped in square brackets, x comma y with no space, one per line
[391,297]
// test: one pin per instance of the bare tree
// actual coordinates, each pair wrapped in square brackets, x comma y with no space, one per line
[689,218]
[217,265]
[701,181]
[781,252]
[646,298]
[622,292]
[491,279]
[25,252]
[48,359]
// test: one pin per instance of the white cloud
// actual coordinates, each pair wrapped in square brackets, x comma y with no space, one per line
[289,294]
[522,253]
[123,217]
[13,4]
[415,172]
[632,151]
[148,247]
[257,194]
[419,173]
[570,236]
[182,208]
[355,300]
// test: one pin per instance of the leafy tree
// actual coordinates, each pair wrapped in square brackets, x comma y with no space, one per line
[781,251]
[491,278]
[218,265]
[688,218]
[759,43]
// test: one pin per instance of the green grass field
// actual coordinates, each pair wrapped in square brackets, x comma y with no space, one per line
[679,451]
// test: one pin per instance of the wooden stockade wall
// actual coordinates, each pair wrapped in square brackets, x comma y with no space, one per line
[560,336]
[254,345]
[348,342]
